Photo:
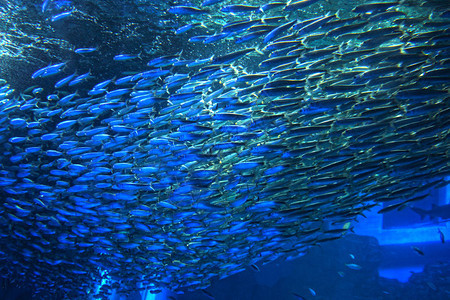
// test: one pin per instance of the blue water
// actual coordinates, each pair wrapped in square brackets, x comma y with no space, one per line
[224,150]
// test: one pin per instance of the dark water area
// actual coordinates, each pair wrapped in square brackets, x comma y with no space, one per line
[325,270]
[224,150]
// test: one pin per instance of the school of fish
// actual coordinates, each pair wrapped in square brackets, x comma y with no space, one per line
[189,169]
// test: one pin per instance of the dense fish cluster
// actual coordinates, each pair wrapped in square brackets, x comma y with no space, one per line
[306,114]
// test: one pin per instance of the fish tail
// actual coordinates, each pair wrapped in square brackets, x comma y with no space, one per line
[419,211]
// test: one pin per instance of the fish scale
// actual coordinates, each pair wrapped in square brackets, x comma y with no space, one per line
[193,163]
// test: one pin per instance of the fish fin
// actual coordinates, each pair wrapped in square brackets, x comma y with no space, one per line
[418,211]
